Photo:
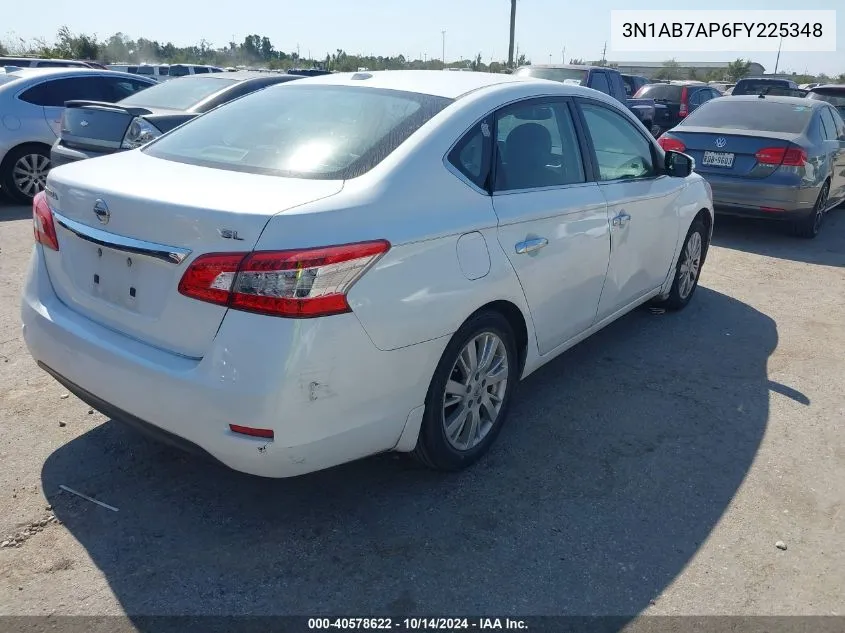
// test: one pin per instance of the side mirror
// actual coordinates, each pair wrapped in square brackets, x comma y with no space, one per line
[679,165]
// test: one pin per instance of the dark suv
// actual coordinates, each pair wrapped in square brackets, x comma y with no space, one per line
[679,98]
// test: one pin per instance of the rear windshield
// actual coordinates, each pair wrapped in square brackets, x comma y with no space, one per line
[662,92]
[832,96]
[759,114]
[564,75]
[179,94]
[321,132]
[755,87]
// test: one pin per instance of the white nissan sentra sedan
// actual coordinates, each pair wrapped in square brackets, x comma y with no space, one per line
[355,263]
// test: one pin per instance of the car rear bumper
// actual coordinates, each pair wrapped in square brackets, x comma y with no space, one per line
[321,385]
[745,197]
[62,155]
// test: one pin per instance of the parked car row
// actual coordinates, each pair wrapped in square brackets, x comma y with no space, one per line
[58,115]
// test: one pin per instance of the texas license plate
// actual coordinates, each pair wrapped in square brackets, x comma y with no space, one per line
[718,159]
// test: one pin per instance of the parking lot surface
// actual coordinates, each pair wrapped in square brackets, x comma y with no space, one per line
[651,469]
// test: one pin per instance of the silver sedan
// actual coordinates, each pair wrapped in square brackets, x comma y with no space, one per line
[32,102]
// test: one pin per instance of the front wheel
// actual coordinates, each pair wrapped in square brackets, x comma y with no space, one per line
[688,269]
[469,394]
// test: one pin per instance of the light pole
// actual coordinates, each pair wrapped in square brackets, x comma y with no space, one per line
[443,58]
[777,60]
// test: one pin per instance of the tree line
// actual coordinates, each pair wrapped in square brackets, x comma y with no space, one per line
[259,51]
[254,51]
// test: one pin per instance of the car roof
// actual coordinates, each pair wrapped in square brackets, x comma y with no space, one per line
[432,82]
[828,87]
[797,101]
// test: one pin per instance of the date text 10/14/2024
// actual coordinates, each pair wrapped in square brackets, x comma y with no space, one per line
[418,624]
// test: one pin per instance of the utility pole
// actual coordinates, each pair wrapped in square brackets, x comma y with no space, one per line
[443,58]
[550,59]
[604,53]
[563,56]
[777,60]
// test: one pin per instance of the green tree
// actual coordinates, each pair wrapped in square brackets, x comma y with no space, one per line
[841,78]
[577,61]
[692,75]
[670,70]
[523,60]
[738,69]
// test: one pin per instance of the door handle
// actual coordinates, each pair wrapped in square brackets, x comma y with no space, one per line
[529,246]
[621,219]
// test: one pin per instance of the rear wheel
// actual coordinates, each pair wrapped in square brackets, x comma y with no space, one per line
[810,226]
[24,172]
[469,395]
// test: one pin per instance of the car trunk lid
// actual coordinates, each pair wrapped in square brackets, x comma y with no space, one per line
[128,225]
[96,125]
[732,152]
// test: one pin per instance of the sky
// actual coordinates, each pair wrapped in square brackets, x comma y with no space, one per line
[545,28]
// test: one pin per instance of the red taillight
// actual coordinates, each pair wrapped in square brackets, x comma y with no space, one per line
[789,156]
[672,144]
[684,109]
[298,284]
[248,430]
[42,221]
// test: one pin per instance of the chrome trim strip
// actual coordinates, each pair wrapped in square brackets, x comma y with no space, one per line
[163,252]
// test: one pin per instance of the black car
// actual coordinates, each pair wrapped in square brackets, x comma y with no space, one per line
[764,85]
[93,128]
[680,99]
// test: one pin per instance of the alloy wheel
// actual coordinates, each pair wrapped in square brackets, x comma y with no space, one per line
[475,391]
[30,173]
[690,265]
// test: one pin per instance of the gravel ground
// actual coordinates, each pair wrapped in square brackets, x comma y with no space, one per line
[653,469]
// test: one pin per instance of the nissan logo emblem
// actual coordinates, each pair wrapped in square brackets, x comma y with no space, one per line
[101,210]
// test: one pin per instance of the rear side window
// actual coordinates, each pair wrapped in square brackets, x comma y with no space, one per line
[828,125]
[599,82]
[664,92]
[319,132]
[757,114]
[164,71]
[179,71]
[471,156]
[132,69]
[200,69]
[536,147]
[54,93]
[145,70]
[121,88]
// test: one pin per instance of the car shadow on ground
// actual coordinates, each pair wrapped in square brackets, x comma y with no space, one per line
[617,461]
[10,210]
[772,239]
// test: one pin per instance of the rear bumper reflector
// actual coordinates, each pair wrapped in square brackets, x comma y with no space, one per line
[266,434]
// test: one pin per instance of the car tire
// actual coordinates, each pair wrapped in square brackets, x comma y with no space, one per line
[24,172]
[467,402]
[688,269]
[809,227]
